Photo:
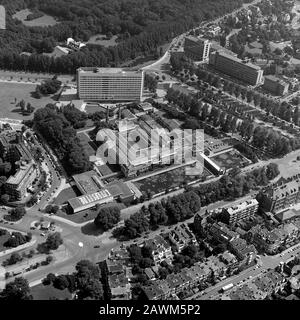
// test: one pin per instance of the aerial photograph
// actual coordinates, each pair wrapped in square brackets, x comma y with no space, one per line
[149,151]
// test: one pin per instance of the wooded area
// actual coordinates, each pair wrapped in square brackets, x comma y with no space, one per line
[141,25]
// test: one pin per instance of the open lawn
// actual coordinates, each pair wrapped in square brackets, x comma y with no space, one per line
[101,40]
[44,21]
[230,159]
[168,180]
[41,292]
[87,215]
[3,239]
[9,91]
[66,195]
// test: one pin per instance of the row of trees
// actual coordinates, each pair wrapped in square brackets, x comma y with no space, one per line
[229,119]
[282,110]
[184,206]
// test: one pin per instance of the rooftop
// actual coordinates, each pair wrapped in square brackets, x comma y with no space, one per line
[88,182]
[108,71]
[242,206]
[230,57]
[89,199]
[21,173]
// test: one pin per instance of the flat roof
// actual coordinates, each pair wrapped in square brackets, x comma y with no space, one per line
[231,57]
[242,206]
[112,71]
[89,199]
[119,188]
[196,39]
[89,182]
[21,173]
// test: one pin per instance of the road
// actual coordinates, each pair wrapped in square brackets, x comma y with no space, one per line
[72,235]
[266,262]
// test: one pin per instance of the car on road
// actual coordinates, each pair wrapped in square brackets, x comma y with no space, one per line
[43,234]
[97,246]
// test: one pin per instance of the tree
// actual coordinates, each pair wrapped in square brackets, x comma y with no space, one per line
[150,83]
[88,277]
[50,278]
[61,282]
[17,213]
[13,259]
[107,218]
[54,240]
[5,198]
[16,290]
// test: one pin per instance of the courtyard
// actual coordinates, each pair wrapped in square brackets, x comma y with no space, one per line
[230,159]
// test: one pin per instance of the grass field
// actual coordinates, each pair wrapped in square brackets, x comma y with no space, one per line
[3,239]
[41,292]
[66,195]
[100,40]
[168,180]
[44,21]
[9,91]
[230,159]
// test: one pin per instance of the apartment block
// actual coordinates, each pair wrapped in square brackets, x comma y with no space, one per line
[109,84]
[235,67]
[197,48]
[242,211]
[17,184]
[275,85]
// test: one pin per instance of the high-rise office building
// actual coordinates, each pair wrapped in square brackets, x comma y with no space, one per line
[109,84]
[197,48]
[232,66]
